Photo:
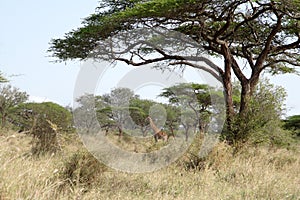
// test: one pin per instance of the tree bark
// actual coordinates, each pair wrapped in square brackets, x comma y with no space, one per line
[245,98]
[3,120]
[248,88]
[226,76]
[229,102]
[120,131]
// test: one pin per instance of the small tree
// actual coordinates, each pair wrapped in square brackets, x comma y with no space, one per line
[9,98]
[173,118]
[104,113]
[139,110]
[119,100]
[84,113]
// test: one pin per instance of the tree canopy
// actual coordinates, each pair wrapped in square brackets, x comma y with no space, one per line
[194,96]
[251,29]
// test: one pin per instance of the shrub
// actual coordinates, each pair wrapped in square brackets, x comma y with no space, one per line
[44,121]
[81,168]
[292,123]
[262,122]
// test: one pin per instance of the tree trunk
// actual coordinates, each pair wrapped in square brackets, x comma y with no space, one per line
[226,76]
[229,102]
[120,131]
[3,120]
[229,133]
[171,130]
[245,98]
[248,87]
[240,134]
[187,133]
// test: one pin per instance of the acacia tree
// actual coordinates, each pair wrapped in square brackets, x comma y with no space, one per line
[104,113]
[139,110]
[84,116]
[265,34]
[196,97]
[118,101]
[173,118]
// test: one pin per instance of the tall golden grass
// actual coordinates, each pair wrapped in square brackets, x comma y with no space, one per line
[252,173]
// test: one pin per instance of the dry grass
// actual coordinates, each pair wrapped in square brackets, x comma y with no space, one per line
[254,173]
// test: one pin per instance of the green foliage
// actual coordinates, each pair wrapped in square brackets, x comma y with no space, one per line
[118,101]
[104,112]
[272,134]
[194,100]
[121,109]
[25,113]
[44,121]
[292,123]
[173,116]
[245,28]
[139,110]
[262,122]
[112,110]
[10,97]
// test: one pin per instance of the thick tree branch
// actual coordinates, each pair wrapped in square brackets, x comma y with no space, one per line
[216,75]
[261,58]
[246,20]
[248,55]
[292,45]
[287,61]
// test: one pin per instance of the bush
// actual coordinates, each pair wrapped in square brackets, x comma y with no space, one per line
[81,168]
[44,121]
[262,123]
[292,123]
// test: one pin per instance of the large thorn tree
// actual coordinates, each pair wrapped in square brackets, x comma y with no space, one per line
[263,34]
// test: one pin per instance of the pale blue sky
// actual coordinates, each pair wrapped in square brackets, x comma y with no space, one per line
[26,30]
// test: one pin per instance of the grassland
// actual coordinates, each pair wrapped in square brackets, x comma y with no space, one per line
[252,173]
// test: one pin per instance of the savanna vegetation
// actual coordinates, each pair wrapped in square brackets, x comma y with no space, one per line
[263,172]
[42,157]
[256,154]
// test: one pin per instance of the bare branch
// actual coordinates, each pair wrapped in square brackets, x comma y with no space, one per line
[287,61]
[292,45]
[213,73]
[247,54]
[131,62]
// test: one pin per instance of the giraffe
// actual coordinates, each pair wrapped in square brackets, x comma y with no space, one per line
[158,134]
